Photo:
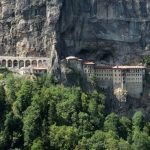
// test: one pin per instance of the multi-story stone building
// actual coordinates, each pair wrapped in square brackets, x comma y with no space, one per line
[89,68]
[129,78]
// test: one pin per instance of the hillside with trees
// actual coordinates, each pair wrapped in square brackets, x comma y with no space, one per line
[42,115]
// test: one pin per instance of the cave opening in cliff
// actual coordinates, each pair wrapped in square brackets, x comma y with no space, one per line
[84,53]
[107,56]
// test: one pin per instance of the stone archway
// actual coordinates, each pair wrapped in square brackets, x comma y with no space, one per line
[3,63]
[27,63]
[21,63]
[15,63]
[40,63]
[34,63]
[10,64]
[44,62]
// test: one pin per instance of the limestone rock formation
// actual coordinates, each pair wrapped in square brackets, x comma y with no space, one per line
[116,31]
[112,30]
[28,28]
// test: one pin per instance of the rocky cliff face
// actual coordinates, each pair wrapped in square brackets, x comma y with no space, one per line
[110,30]
[28,28]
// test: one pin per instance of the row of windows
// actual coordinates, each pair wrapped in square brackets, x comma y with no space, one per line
[106,74]
[134,75]
[105,79]
[104,71]
[103,75]
[111,70]
[128,75]
[130,70]
[128,79]
[110,75]
[128,82]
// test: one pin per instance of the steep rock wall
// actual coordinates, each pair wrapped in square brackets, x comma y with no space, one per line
[116,31]
[28,28]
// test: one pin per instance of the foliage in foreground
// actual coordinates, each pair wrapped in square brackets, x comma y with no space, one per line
[40,115]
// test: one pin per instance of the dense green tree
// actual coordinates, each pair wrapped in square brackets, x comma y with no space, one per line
[83,144]
[96,112]
[146,128]
[111,123]
[111,141]
[37,144]
[138,120]
[32,122]
[125,127]
[85,126]
[123,145]
[63,137]
[66,114]
[24,96]
[3,142]
[141,140]
[44,81]
[48,103]
[146,59]
[85,101]
[13,130]
[2,105]
[97,141]
[11,89]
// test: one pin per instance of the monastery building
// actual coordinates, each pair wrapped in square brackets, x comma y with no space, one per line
[129,78]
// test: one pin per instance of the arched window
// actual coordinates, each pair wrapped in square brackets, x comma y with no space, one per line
[27,63]
[3,63]
[44,62]
[34,63]
[40,64]
[21,63]
[9,63]
[15,63]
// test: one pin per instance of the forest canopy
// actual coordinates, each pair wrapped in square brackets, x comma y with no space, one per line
[42,115]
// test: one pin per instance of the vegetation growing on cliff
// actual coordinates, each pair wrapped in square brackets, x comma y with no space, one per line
[40,115]
[146,60]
